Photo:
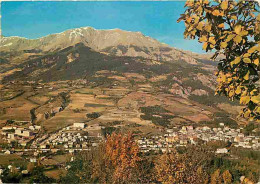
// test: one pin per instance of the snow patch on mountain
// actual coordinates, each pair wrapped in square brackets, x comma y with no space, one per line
[6,45]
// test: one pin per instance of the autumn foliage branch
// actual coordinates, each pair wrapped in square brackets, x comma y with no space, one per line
[230,29]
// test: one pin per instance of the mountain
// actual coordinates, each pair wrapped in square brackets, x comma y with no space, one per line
[80,52]
[122,75]
[113,42]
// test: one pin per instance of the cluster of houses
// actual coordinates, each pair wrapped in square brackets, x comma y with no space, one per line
[21,135]
[70,138]
[190,135]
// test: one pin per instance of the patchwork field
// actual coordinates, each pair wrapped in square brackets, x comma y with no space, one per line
[142,104]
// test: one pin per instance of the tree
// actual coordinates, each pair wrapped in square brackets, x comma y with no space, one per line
[188,167]
[114,161]
[33,115]
[80,169]
[170,168]
[196,160]
[231,29]
[122,154]
[227,177]
[93,115]
[216,177]
[38,176]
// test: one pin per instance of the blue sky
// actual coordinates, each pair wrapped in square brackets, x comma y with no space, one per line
[155,19]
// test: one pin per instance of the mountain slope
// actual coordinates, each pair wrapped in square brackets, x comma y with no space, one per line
[124,66]
[114,42]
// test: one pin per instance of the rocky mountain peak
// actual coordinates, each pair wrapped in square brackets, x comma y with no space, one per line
[112,41]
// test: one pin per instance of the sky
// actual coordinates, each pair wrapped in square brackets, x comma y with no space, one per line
[32,19]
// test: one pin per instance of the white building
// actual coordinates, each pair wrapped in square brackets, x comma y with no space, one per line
[34,160]
[7,152]
[79,125]
[23,132]
[7,128]
[222,150]
[10,136]
[221,124]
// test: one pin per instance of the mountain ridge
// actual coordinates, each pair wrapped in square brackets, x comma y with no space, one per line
[112,41]
[76,32]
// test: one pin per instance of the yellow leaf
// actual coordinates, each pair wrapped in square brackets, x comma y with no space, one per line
[256,62]
[189,20]
[206,2]
[244,100]
[216,13]
[193,32]
[208,28]
[246,55]
[203,39]
[223,45]
[253,92]
[224,5]
[231,93]
[258,17]
[238,90]
[257,109]
[196,19]
[199,9]
[230,37]
[246,60]
[200,26]
[258,48]
[234,17]
[189,3]
[246,77]
[222,37]
[190,28]
[247,114]
[224,78]
[236,61]
[243,33]
[212,40]
[205,45]
[238,29]
[238,39]
[221,25]
[252,50]
[256,99]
